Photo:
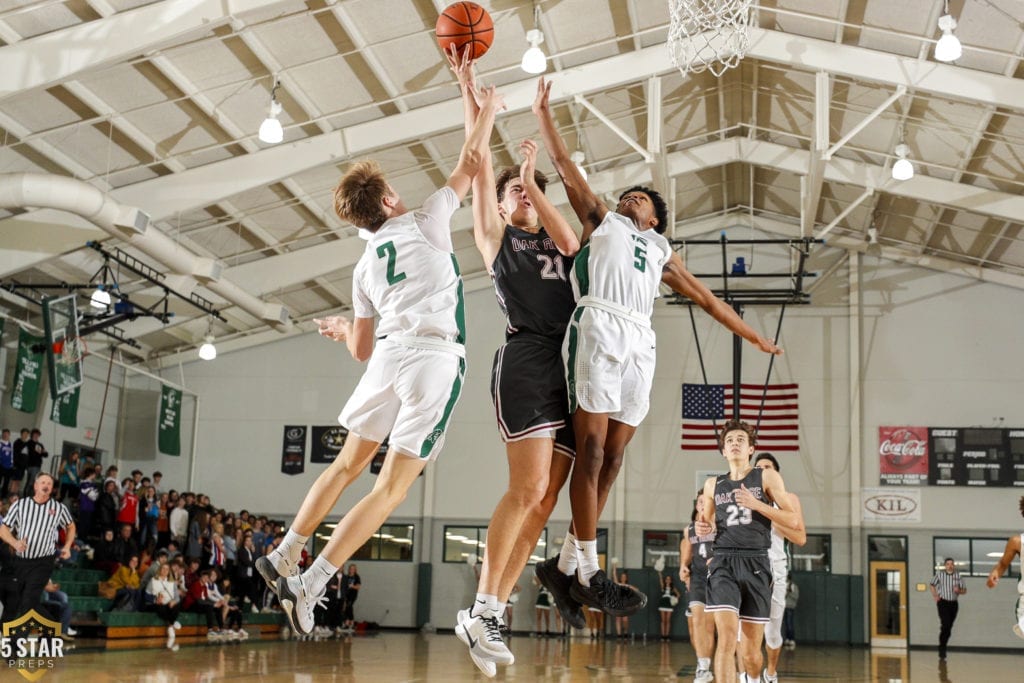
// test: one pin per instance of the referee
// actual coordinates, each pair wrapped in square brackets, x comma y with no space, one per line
[30,528]
[946,587]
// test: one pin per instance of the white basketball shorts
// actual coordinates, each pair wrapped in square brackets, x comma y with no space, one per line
[609,361]
[409,394]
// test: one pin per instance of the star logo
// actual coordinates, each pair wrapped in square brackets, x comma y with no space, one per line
[31,644]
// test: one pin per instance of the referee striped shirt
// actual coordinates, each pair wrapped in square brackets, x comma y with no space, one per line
[37,524]
[946,584]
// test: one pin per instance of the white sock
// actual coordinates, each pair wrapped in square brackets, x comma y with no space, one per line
[704,663]
[567,562]
[485,605]
[586,555]
[291,548]
[316,577]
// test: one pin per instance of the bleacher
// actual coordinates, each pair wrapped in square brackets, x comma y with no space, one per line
[92,618]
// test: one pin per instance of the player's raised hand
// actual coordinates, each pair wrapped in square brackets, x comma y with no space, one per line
[528,148]
[488,96]
[462,65]
[334,327]
[540,102]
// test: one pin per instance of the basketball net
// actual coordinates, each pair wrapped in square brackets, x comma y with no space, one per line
[69,351]
[708,35]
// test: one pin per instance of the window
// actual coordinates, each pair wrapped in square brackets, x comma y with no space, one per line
[462,541]
[814,556]
[392,542]
[664,544]
[972,556]
[887,548]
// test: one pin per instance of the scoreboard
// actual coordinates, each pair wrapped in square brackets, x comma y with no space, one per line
[975,456]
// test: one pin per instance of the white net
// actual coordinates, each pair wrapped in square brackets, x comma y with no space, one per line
[708,35]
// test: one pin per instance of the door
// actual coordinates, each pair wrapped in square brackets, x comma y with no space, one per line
[888,604]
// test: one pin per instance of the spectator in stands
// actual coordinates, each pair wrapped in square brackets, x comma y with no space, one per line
[21,447]
[149,513]
[126,582]
[161,558]
[88,495]
[124,545]
[107,506]
[128,513]
[245,583]
[178,523]
[163,521]
[36,453]
[69,478]
[199,600]
[157,477]
[6,461]
[165,600]
[112,476]
[133,483]
[232,609]
[191,574]
[218,558]
[105,556]
[230,548]
[58,604]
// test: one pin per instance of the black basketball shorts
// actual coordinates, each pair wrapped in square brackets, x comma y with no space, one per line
[529,392]
[698,593]
[741,583]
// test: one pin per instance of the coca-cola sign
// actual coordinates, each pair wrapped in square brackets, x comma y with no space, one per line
[903,455]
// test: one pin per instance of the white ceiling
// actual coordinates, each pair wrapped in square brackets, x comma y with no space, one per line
[158,104]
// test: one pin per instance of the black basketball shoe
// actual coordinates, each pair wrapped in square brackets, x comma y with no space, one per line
[558,584]
[616,599]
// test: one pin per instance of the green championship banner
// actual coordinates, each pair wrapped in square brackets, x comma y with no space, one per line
[169,435]
[27,376]
[65,409]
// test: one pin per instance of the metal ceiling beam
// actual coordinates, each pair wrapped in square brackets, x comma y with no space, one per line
[59,55]
[814,180]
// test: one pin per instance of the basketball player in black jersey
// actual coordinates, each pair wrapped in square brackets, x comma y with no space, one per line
[529,265]
[738,508]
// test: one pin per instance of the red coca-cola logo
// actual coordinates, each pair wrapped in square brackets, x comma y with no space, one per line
[903,448]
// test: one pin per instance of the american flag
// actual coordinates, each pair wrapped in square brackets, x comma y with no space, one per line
[705,407]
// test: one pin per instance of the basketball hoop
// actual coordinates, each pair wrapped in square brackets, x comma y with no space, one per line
[69,351]
[708,35]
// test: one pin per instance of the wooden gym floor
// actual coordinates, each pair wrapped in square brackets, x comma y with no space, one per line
[409,656]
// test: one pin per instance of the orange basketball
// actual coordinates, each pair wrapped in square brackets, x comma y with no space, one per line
[462,24]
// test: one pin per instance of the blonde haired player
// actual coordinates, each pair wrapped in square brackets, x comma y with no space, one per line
[1013,549]
[408,276]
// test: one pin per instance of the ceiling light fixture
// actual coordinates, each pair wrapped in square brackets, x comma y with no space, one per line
[578,158]
[948,49]
[270,130]
[534,59]
[100,297]
[902,169]
[872,235]
[207,351]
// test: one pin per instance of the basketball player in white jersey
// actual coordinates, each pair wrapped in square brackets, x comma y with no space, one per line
[609,347]
[1013,549]
[527,247]
[739,509]
[408,276]
[780,573]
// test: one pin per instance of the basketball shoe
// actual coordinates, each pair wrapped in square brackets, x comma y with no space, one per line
[298,604]
[271,572]
[483,637]
[558,584]
[616,599]
[703,676]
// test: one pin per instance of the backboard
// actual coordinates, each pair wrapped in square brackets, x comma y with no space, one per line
[64,348]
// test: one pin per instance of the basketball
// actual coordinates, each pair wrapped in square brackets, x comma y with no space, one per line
[462,24]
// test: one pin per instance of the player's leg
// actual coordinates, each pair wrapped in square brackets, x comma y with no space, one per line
[727,628]
[750,648]
[773,630]
[299,595]
[702,635]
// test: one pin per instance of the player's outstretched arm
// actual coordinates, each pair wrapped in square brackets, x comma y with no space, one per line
[1012,550]
[557,227]
[796,535]
[585,203]
[357,334]
[682,281]
[471,157]
[488,226]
